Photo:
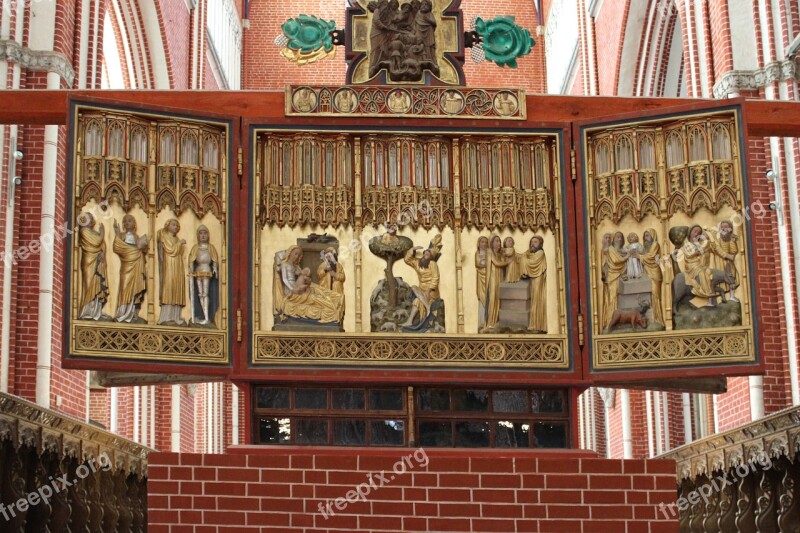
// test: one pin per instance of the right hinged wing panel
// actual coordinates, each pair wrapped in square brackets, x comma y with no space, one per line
[667,243]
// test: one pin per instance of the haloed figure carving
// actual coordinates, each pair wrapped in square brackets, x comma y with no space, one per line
[132,252]
[94,276]
[172,296]
[204,270]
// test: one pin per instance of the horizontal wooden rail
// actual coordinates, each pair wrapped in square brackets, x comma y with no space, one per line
[38,107]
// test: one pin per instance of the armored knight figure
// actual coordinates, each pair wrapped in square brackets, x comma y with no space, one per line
[204,270]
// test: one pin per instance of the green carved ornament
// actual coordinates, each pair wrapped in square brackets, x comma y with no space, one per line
[308,39]
[503,40]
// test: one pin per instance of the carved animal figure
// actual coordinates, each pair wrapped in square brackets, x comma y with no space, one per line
[682,293]
[634,317]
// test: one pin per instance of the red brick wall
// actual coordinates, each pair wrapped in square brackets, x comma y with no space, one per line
[281,489]
[175,17]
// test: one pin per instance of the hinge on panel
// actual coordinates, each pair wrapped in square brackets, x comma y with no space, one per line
[572,165]
[240,163]
[580,330]
[238,325]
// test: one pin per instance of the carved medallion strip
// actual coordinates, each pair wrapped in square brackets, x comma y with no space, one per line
[348,349]
[406,102]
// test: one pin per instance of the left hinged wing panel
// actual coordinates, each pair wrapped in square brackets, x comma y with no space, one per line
[148,249]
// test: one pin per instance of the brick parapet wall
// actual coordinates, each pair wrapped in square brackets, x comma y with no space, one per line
[281,489]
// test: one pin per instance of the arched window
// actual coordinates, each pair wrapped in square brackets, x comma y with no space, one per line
[697,145]
[602,158]
[189,150]
[210,152]
[647,153]
[721,143]
[116,141]
[93,139]
[138,145]
[623,153]
[167,154]
[675,153]
[540,166]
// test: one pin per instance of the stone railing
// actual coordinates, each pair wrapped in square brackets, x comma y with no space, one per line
[745,480]
[60,474]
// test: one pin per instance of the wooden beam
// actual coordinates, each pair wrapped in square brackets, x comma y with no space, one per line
[764,117]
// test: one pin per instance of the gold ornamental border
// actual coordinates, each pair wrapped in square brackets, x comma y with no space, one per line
[405,102]
[673,348]
[161,344]
[356,349]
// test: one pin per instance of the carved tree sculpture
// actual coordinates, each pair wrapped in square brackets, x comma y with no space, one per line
[391,250]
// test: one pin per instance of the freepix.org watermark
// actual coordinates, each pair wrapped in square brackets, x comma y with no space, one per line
[56,485]
[715,485]
[375,481]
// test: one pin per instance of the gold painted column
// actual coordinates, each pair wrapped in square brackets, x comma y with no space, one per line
[666,286]
[357,227]
[152,290]
[457,234]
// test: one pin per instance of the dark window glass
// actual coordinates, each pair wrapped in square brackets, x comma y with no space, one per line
[348,399]
[511,434]
[510,401]
[274,430]
[550,435]
[433,399]
[386,399]
[470,400]
[547,401]
[309,431]
[472,434]
[349,432]
[435,434]
[387,432]
[310,398]
[272,398]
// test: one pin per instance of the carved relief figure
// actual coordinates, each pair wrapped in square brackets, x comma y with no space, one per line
[699,276]
[616,265]
[726,246]
[513,268]
[172,293]
[634,249]
[94,275]
[533,266]
[605,312]
[132,252]
[700,248]
[651,262]
[330,273]
[426,30]
[204,271]
[295,296]
[495,266]
[402,39]
[427,292]
[481,257]
[380,34]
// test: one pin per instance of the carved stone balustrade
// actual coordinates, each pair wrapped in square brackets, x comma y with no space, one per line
[60,474]
[742,481]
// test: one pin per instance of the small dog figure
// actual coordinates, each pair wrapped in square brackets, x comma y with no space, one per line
[633,317]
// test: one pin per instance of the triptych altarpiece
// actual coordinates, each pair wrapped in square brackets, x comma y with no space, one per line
[409,227]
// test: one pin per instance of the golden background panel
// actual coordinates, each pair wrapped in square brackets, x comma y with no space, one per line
[548,353]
